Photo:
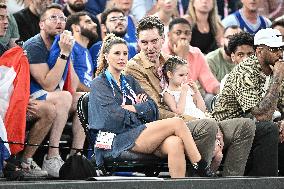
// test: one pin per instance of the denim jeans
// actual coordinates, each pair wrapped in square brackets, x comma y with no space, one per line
[263,158]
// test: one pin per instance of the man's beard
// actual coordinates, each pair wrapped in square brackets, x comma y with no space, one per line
[92,36]
[228,53]
[77,8]
[118,33]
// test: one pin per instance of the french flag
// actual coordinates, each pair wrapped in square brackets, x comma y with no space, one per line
[14,98]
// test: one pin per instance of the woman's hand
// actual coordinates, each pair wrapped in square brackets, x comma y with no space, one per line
[130,108]
[141,98]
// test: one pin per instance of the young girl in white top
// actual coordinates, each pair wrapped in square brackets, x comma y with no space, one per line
[183,97]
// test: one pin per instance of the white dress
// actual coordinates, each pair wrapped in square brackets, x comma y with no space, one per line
[190,108]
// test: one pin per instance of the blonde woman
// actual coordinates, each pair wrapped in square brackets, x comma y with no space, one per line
[123,117]
[207,29]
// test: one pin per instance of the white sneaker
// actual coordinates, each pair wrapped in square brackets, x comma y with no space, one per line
[31,169]
[52,165]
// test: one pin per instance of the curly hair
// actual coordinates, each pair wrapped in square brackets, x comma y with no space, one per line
[171,65]
[238,39]
[109,40]
[278,22]
[150,22]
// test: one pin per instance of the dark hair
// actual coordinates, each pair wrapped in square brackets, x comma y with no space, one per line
[171,64]
[52,6]
[3,6]
[150,22]
[234,27]
[178,21]
[105,14]
[74,19]
[278,22]
[109,40]
[238,39]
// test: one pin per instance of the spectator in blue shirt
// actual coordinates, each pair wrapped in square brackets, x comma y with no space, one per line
[83,29]
[112,21]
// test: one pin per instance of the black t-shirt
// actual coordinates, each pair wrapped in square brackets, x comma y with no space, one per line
[206,42]
[28,23]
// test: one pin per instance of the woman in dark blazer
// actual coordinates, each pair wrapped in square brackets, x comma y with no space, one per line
[125,118]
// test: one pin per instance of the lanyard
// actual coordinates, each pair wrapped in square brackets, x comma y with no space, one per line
[124,86]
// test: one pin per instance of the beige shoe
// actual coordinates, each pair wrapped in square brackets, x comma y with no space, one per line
[52,165]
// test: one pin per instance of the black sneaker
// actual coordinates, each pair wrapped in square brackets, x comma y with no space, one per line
[203,169]
[12,172]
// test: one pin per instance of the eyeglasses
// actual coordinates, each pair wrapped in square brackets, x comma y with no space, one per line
[186,32]
[114,19]
[55,18]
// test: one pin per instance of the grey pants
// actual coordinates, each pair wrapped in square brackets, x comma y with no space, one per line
[204,134]
[238,137]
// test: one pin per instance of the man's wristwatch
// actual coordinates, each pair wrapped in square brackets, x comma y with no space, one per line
[63,56]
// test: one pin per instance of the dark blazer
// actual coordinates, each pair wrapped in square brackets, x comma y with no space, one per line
[106,114]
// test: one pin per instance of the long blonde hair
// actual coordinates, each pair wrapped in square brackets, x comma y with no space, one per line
[213,19]
[109,40]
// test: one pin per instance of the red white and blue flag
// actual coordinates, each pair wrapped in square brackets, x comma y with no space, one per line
[14,98]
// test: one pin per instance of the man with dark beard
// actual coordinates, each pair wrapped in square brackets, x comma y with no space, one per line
[73,6]
[219,60]
[84,30]
[112,21]
[254,89]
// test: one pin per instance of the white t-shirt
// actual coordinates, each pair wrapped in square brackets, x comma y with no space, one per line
[190,108]
[232,20]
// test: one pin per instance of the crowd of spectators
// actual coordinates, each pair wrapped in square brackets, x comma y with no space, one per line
[229,52]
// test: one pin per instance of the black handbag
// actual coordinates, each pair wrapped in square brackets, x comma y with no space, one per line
[77,167]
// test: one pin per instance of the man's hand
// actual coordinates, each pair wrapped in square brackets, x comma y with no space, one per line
[181,48]
[66,42]
[278,69]
[32,110]
[219,136]
[281,131]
